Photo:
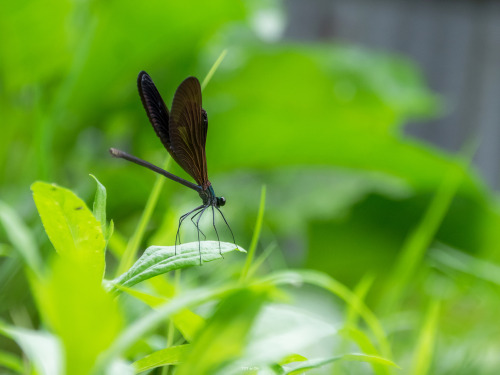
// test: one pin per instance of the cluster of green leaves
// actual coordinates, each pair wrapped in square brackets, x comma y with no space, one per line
[249,326]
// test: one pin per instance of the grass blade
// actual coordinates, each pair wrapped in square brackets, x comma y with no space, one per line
[427,341]
[212,70]
[256,235]
[133,245]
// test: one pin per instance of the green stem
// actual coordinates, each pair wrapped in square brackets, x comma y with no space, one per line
[213,69]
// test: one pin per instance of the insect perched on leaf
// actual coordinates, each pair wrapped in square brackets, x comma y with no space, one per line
[183,132]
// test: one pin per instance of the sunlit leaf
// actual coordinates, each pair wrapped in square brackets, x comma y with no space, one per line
[71,227]
[79,311]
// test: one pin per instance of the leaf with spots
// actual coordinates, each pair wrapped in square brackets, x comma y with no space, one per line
[70,226]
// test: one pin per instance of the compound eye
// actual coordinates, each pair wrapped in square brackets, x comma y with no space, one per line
[221,201]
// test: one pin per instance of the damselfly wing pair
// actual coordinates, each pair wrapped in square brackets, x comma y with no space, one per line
[183,132]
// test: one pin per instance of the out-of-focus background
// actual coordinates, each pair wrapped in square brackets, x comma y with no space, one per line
[354,114]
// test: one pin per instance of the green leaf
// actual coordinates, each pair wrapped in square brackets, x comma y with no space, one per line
[304,366]
[225,335]
[145,324]
[71,227]
[20,237]
[157,260]
[85,317]
[43,349]
[168,356]
[419,239]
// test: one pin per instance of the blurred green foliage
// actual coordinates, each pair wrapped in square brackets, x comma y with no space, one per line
[320,124]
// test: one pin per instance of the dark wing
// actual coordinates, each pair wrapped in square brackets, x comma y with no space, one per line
[188,130]
[156,109]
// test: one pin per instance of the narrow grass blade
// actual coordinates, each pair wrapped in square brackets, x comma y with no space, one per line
[261,259]
[421,237]
[133,245]
[157,260]
[256,235]
[212,70]
[424,352]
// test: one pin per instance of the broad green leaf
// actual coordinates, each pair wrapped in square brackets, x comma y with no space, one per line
[43,349]
[224,337]
[304,366]
[71,227]
[79,311]
[187,322]
[20,237]
[168,356]
[161,259]
[144,325]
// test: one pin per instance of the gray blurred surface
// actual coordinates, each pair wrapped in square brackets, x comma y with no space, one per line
[456,43]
